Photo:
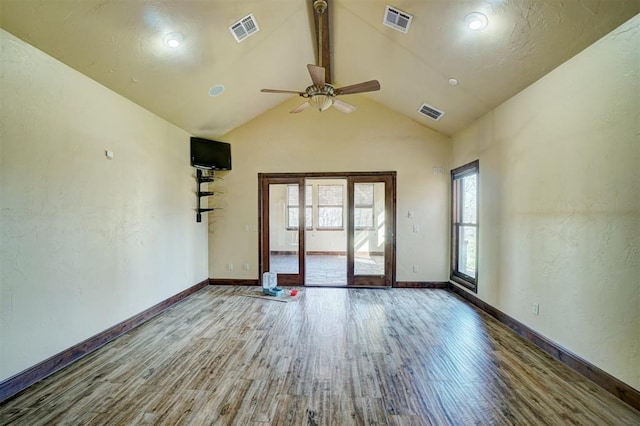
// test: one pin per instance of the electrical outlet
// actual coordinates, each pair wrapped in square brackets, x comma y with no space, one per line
[229,266]
[246,228]
[416,228]
[415,269]
[536,309]
[245,266]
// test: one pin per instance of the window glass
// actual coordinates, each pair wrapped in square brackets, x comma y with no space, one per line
[330,206]
[469,205]
[464,233]
[363,196]
[292,207]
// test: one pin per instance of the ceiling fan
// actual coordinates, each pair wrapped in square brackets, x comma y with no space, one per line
[321,94]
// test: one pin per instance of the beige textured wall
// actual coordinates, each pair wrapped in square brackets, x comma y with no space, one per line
[373,138]
[560,203]
[86,242]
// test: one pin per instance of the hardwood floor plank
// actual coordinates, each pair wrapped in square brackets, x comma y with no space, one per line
[444,402]
[131,402]
[356,377]
[373,410]
[318,409]
[344,411]
[179,408]
[267,405]
[594,405]
[241,402]
[329,357]
[291,410]
[395,420]
[392,378]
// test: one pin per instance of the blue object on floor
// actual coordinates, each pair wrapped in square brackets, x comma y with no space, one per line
[274,291]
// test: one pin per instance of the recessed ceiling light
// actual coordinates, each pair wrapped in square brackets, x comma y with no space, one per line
[216,90]
[476,21]
[172,40]
[453,81]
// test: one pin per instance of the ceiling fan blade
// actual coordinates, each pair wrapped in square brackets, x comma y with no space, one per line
[317,74]
[367,86]
[300,108]
[343,106]
[281,91]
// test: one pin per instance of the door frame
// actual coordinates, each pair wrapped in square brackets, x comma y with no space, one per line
[265,179]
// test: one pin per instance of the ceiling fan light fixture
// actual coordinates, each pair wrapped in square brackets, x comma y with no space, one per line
[476,21]
[172,40]
[321,102]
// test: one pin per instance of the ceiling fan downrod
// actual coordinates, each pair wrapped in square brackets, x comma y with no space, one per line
[321,94]
[320,6]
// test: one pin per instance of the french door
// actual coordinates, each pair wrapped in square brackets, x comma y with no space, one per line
[294,216]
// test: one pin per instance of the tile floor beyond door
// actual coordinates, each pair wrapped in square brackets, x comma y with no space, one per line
[327,270]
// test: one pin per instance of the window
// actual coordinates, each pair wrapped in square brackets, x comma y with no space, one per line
[363,205]
[464,235]
[292,207]
[330,206]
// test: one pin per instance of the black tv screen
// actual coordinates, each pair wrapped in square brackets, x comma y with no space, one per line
[207,154]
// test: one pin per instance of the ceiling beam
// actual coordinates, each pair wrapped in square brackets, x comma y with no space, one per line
[323,46]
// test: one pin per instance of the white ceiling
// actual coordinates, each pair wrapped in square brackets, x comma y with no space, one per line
[119,44]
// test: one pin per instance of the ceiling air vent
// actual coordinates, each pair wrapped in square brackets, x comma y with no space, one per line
[244,28]
[431,112]
[397,19]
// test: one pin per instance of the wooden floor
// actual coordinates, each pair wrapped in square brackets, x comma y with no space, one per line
[329,356]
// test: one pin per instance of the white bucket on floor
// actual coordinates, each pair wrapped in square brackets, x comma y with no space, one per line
[269,280]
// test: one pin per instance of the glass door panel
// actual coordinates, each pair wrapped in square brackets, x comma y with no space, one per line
[369,228]
[284,245]
[282,228]
[326,232]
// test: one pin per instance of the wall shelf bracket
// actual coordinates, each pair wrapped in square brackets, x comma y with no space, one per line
[201,178]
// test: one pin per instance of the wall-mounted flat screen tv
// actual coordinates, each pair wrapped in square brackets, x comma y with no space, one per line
[213,155]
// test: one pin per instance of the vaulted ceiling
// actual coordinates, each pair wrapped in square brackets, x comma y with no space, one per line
[120,45]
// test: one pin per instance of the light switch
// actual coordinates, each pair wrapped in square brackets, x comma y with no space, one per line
[108,154]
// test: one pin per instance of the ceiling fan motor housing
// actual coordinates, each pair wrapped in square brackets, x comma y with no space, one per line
[326,89]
